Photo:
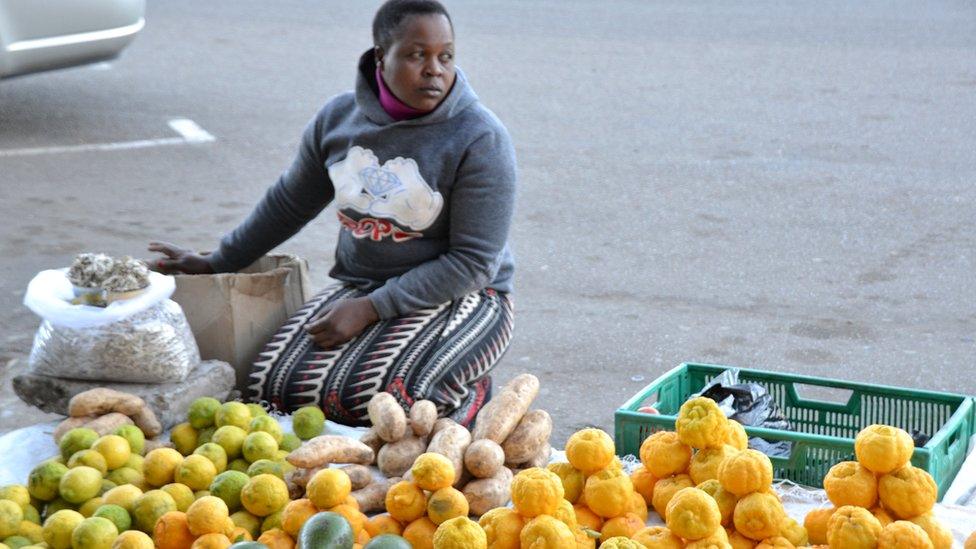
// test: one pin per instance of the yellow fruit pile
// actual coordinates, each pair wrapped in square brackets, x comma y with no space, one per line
[710,489]
[416,509]
[880,498]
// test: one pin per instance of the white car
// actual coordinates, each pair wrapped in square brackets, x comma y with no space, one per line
[39,35]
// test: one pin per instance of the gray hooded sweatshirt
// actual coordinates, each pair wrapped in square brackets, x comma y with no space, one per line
[425,204]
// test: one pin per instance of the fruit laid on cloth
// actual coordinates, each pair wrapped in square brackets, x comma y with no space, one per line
[745,472]
[854,528]
[701,424]
[905,534]
[460,533]
[882,448]
[608,492]
[663,454]
[326,530]
[658,537]
[850,483]
[308,422]
[545,532]
[590,450]
[502,527]
[536,491]
[693,514]
[908,492]
[758,516]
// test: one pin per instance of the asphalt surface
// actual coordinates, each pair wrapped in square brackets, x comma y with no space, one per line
[763,184]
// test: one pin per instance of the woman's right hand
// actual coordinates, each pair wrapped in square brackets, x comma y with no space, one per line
[178,260]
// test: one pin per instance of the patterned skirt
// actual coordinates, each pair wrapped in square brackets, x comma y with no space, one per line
[444,354]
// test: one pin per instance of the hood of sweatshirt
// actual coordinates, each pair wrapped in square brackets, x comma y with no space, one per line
[458,99]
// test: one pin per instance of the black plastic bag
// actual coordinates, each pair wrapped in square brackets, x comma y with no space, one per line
[751,405]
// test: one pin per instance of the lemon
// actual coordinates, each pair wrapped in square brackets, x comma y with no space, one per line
[133,435]
[256,410]
[308,422]
[159,466]
[57,505]
[233,413]
[266,467]
[207,515]
[133,539]
[184,438]
[215,453]
[259,445]
[127,475]
[76,440]
[239,464]
[149,507]
[231,438]
[89,458]
[10,517]
[80,484]
[59,526]
[43,480]
[196,471]
[17,542]
[200,494]
[31,531]
[182,495]
[31,514]
[88,508]
[205,435]
[202,411]
[248,522]
[119,516]
[135,461]
[17,494]
[264,495]
[115,449]
[289,442]
[272,521]
[106,486]
[268,425]
[124,496]
[94,533]
[227,486]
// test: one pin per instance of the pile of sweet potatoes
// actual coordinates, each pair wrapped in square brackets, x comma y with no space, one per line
[104,410]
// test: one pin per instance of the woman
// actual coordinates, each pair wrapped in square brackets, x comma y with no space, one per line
[423,177]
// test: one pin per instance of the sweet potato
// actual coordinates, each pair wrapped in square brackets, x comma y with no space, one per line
[145,420]
[359,475]
[541,458]
[326,449]
[295,491]
[486,494]
[69,424]
[100,401]
[451,442]
[502,414]
[372,498]
[484,458]
[371,439]
[423,414]
[104,425]
[301,476]
[396,458]
[387,416]
[528,438]
[442,423]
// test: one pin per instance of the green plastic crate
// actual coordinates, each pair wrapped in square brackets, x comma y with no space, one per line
[825,429]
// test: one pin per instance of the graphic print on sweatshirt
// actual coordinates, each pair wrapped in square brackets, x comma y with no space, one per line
[394,198]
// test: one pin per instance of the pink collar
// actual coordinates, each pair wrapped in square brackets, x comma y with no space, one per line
[398,110]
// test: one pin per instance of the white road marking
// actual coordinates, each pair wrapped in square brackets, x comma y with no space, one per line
[190,134]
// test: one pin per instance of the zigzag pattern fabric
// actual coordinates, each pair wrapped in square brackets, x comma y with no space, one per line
[444,354]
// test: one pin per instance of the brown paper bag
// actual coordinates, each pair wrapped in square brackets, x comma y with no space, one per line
[233,315]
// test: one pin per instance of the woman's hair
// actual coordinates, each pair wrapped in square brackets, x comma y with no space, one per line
[391,14]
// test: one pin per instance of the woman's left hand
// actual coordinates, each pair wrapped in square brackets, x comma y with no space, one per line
[342,322]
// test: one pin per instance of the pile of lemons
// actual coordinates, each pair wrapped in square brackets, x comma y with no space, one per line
[223,481]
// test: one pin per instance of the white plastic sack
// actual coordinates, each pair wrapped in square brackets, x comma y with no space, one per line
[144,339]
[49,295]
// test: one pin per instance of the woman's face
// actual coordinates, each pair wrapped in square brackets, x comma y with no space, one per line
[419,66]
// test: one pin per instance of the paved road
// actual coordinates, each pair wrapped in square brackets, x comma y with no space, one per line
[772,185]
